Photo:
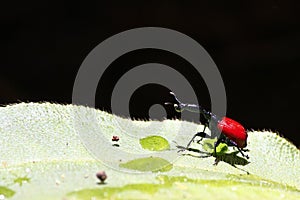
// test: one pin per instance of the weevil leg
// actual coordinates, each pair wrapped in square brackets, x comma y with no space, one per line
[232,143]
[220,139]
[245,150]
[202,134]
[188,145]
[241,151]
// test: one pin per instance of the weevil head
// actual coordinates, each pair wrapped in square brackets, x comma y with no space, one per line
[178,107]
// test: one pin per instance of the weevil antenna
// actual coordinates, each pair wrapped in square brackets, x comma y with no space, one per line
[179,107]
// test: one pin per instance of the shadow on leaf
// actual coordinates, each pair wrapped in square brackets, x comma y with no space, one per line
[230,158]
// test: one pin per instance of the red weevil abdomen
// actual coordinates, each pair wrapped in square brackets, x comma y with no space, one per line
[234,131]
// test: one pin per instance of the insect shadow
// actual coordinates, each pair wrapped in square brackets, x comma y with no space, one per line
[230,158]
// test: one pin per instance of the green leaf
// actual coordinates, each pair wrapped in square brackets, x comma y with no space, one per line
[155,143]
[51,151]
[151,164]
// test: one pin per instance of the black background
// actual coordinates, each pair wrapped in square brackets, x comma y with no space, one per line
[256,46]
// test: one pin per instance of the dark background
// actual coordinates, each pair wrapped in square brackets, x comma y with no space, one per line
[255,45]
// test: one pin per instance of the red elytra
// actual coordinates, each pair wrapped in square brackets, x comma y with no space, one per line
[234,131]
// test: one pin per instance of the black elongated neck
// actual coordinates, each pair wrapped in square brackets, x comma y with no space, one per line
[194,108]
